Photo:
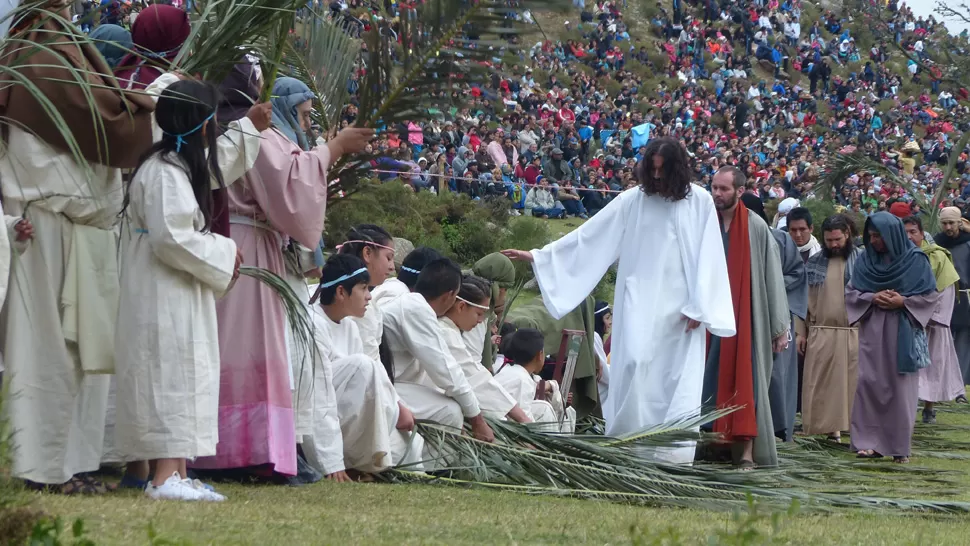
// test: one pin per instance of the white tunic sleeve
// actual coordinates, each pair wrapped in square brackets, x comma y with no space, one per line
[425,341]
[327,439]
[514,379]
[238,149]
[568,269]
[170,215]
[705,266]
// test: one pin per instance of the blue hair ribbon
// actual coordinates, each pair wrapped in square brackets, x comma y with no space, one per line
[343,278]
[409,270]
[179,139]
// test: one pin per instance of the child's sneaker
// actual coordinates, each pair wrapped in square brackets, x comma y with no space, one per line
[174,488]
[206,490]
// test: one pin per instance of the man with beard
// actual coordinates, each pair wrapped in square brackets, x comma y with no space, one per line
[800,228]
[738,368]
[829,345]
[955,237]
[671,291]
[941,381]
[892,296]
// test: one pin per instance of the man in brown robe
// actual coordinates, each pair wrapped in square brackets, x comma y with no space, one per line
[830,346]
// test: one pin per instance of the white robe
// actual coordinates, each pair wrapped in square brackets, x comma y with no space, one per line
[475,340]
[603,383]
[238,148]
[426,375]
[56,410]
[371,325]
[492,398]
[167,338]
[671,265]
[355,407]
[10,249]
[522,386]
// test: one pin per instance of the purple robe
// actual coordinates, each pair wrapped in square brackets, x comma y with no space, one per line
[942,380]
[883,413]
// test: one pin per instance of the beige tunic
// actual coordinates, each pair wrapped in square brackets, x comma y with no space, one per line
[831,357]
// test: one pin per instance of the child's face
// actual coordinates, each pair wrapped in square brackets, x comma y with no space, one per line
[356,302]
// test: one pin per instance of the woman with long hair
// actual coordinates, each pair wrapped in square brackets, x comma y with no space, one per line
[280,201]
[172,270]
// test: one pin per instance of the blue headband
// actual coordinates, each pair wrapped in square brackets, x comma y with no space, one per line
[343,278]
[179,139]
[409,270]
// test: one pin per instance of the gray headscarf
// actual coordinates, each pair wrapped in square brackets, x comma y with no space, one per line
[288,93]
[113,42]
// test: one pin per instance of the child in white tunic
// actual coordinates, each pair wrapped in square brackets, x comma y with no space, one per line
[425,373]
[468,312]
[524,348]
[386,289]
[359,421]
[173,269]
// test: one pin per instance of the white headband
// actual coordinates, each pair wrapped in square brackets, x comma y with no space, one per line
[485,307]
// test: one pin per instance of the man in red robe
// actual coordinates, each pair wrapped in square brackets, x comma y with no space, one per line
[738,368]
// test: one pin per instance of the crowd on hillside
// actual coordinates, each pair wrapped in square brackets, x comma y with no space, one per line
[560,133]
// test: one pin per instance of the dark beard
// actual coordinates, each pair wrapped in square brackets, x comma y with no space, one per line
[843,252]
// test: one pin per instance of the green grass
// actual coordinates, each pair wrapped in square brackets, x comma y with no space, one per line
[327,513]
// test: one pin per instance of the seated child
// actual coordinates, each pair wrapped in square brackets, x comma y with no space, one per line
[467,313]
[358,420]
[524,348]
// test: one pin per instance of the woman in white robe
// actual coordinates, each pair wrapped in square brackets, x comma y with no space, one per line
[173,269]
[358,419]
[672,277]
[468,312]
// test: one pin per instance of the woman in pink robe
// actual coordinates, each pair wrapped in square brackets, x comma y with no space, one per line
[283,197]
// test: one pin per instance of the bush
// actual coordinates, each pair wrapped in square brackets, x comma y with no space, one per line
[460,228]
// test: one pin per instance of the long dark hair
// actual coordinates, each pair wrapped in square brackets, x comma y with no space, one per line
[182,111]
[363,236]
[675,176]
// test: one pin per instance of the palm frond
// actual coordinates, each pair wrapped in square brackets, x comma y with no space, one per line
[323,55]
[224,30]
[523,459]
[297,313]
[424,59]
[841,166]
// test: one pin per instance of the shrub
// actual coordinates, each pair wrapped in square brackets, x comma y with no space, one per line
[462,229]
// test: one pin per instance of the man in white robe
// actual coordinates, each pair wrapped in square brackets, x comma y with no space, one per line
[425,373]
[672,278]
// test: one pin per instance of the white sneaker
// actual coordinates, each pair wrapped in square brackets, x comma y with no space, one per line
[209,493]
[174,488]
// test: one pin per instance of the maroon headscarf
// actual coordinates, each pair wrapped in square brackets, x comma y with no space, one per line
[158,34]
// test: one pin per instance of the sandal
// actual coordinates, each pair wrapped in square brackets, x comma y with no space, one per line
[836,439]
[77,485]
[745,466]
[868,454]
[901,460]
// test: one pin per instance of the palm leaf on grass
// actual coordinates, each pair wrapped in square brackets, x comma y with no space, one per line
[527,461]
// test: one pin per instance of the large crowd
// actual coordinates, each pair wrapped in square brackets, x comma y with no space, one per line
[560,132]
[181,363]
